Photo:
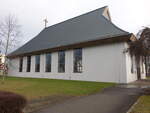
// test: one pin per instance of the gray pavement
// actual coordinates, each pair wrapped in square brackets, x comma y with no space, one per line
[110,100]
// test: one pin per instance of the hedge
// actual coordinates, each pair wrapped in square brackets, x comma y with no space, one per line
[11,102]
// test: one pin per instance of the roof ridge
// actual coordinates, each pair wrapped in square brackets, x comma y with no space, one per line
[77,17]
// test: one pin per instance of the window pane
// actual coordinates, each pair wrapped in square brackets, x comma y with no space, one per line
[61,61]
[37,63]
[20,64]
[28,63]
[48,62]
[78,60]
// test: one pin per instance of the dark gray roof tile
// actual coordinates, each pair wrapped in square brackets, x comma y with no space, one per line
[87,27]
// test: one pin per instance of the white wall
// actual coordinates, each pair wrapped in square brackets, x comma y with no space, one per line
[105,63]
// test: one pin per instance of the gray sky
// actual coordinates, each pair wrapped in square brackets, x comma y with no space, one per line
[129,15]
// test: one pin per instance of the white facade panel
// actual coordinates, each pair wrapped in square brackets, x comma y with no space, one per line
[104,63]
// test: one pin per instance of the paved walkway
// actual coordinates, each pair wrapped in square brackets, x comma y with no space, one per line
[145,83]
[111,100]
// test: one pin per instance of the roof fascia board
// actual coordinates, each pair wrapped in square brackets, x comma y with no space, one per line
[79,45]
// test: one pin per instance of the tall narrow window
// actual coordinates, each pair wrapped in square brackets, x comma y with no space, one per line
[132,64]
[78,60]
[61,61]
[48,62]
[21,64]
[28,63]
[37,63]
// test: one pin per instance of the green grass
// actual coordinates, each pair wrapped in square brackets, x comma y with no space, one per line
[148,77]
[143,105]
[33,88]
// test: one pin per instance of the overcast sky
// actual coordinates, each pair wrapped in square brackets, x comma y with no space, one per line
[129,15]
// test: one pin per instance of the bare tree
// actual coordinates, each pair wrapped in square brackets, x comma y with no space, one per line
[9,33]
[9,36]
[140,48]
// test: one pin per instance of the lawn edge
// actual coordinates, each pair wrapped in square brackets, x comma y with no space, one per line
[133,106]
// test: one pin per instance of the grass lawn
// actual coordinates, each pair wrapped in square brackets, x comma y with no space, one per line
[33,88]
[143,106]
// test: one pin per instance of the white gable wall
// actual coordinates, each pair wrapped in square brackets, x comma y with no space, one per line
[105,63]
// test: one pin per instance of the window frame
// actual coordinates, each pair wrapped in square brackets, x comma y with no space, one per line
[77,67]
[132,65]
[47,68]
[28,68]
[21,64]
[61,64]
[37,63]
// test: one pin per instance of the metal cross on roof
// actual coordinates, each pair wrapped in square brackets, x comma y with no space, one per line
[45,22]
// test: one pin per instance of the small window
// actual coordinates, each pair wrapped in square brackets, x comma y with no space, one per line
[142,65]
[37,63]
[61,61]
[28,63]
[78,61]
[21,64]
[48,63]
[132,64]
[133,68]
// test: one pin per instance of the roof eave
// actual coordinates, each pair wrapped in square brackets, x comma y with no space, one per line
[121,38]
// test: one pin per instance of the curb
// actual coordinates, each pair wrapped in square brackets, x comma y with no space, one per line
[131,108]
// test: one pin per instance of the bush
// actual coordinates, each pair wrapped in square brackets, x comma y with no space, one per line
[11,103]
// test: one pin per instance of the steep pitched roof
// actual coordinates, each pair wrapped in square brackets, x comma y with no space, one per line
[87,27]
